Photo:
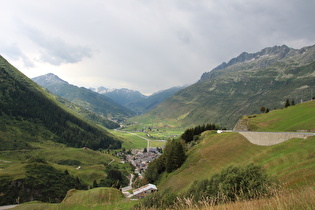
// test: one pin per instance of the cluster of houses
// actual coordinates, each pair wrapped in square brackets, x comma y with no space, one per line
[141,158]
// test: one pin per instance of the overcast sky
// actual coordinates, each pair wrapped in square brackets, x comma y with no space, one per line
[145,45]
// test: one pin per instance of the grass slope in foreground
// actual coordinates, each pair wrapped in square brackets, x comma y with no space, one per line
[97,198]
[292,162]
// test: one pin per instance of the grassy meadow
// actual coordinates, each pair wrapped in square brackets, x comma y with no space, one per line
[93,163]
[293,118]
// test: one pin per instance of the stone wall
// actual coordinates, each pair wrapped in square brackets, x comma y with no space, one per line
[272,138]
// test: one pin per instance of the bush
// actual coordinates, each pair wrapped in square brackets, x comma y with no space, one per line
[160,200]
[233,183]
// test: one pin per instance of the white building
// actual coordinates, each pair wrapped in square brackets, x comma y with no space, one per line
[144,190]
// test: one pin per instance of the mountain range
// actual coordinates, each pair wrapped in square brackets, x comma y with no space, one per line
[136,101]
[92,101]
[241,87]
[112,103]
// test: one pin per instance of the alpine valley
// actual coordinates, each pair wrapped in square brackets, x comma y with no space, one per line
[70,147]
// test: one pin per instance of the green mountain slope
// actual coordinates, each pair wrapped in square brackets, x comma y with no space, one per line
[300,117]
[291,162]
[241,86]
[30,114]
[89,115]
[86,98]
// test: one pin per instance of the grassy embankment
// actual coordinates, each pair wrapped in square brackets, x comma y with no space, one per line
[97,198]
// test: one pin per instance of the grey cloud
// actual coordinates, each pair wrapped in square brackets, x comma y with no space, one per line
[54,50]
[14,52]
[151,45]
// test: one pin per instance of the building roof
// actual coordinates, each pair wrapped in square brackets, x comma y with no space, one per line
[144,188]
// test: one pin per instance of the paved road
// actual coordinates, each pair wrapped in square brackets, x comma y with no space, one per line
[7,207]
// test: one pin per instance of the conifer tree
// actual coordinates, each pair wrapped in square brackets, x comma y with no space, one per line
[287,103]
[174,155]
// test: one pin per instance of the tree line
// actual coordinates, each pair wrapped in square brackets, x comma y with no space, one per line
[172,158]
[190,133]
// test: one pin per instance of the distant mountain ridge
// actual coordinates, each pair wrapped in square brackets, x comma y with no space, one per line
[241,86]
[136,101]
[97,103]
[264,58]
[123,96]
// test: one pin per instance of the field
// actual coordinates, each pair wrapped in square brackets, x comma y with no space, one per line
[62,158]
[135,136]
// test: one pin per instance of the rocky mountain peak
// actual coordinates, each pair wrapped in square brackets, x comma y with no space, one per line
[261,59]
[49,78]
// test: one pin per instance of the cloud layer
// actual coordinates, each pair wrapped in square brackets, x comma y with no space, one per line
[145,45]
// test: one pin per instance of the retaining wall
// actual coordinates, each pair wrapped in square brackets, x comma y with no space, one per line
[272,138]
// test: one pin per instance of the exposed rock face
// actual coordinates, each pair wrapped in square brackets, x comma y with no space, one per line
[241,125]
[263,58]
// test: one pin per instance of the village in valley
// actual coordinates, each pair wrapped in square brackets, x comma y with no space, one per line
[140,159]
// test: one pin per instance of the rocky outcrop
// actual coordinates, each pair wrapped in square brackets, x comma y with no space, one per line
[241,125]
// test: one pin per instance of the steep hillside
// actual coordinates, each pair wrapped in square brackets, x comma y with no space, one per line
[30,114]
[241,86]
[291,162]
[89,115]
[297,118]
[86,98]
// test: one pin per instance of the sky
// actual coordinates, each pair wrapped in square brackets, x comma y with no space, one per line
[145,45]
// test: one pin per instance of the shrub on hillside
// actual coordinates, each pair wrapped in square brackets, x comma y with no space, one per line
[233,183]
[115,179]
